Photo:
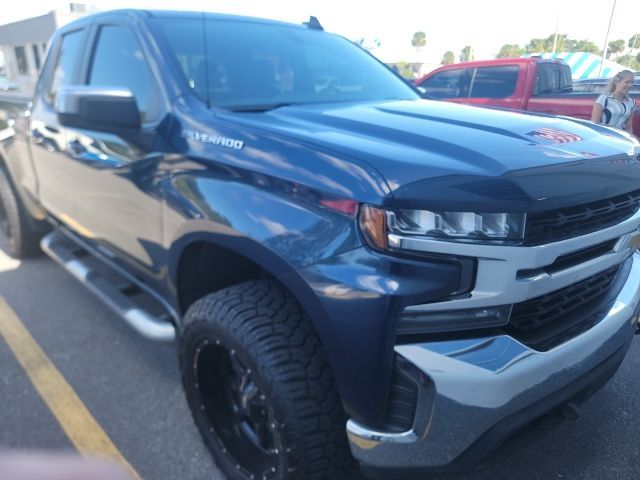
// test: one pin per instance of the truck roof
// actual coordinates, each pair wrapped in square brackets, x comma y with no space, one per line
[176,14]
[504,61]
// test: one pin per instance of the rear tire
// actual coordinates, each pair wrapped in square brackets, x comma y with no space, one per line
[21,241]
[260,388]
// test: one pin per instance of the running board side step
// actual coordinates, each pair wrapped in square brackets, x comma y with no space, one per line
[150,326]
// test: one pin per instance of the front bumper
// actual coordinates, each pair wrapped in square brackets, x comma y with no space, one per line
[471,389]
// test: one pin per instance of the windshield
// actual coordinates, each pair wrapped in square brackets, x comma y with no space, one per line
[244,65]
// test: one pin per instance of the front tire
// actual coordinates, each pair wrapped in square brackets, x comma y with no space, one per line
[260,388]
[21,241]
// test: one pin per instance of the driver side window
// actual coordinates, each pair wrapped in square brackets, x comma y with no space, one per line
[447,84]
[64,69]
[118,61]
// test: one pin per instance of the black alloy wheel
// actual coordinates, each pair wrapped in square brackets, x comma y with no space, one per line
[260,388]
[242,422]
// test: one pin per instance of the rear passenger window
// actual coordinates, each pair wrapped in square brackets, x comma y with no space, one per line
[118,61]
[446,84]
[553,78]
[494,82]
[68,54]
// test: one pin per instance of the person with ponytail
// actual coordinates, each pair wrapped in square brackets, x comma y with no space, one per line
[615,108]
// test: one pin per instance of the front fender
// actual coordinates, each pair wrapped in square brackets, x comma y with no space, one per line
[276,229]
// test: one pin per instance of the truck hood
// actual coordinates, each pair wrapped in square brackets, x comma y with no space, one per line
[442,155]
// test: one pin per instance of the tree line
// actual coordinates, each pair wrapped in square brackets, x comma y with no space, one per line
[626,52]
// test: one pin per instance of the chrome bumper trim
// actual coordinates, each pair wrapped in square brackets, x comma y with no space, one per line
[497,281]
[476,383]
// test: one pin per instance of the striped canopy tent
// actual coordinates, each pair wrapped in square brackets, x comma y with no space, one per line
[586,65]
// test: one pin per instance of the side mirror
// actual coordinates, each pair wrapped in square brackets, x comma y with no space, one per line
[97,108]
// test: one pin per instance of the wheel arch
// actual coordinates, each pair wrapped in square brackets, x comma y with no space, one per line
[203,263]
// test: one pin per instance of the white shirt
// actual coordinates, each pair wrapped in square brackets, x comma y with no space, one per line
[614,112]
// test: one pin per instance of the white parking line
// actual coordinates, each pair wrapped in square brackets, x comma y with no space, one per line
[7,263]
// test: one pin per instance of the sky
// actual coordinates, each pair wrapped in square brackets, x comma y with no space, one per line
[448,25]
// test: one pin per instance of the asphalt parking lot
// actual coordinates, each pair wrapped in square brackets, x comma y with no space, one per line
[130,385]
[131,388]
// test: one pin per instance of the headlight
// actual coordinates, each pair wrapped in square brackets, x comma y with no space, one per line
[377,224]
[458,225]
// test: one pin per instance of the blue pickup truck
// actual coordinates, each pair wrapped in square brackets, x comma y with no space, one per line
[357,278]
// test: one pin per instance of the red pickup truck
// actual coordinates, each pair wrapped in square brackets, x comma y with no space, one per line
[533,84]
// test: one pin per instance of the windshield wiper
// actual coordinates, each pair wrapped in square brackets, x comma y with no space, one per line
[265,107]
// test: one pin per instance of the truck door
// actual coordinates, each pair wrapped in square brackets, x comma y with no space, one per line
[118,206]
[57,177]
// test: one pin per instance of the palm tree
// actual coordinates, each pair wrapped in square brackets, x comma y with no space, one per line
[419,40]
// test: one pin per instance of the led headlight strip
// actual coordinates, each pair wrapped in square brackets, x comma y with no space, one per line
[377,223]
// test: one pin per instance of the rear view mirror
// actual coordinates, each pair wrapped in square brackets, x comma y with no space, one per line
[103,109]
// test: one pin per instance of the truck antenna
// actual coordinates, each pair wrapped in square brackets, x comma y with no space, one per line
[313,23]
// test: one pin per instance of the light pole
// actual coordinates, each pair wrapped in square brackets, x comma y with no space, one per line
[635,41]
[606,39]
[555,35]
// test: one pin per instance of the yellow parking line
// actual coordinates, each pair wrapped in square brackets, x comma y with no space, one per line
[74,418]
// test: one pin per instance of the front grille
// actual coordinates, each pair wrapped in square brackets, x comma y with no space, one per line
[534,313]
[546,321]
[555,225]
[571,259]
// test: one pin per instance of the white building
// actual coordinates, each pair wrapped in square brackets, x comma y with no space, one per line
[24,44]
